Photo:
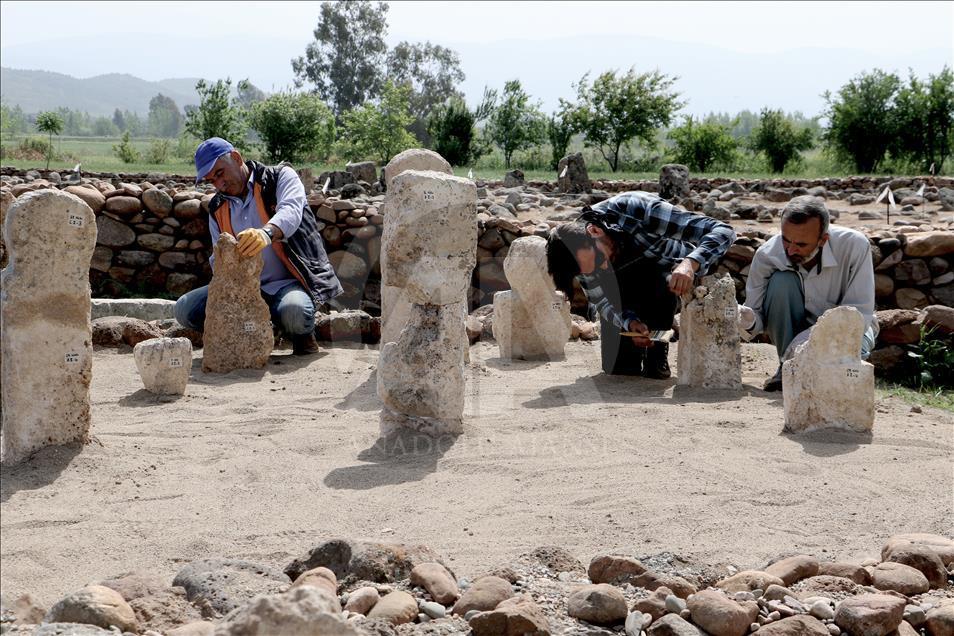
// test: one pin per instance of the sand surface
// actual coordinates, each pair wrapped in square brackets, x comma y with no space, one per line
[264,465]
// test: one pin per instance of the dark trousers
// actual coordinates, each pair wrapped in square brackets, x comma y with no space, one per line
[640,287]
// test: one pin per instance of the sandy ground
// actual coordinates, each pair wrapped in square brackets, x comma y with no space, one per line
[264,465]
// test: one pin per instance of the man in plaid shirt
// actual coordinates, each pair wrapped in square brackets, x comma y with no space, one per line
[634,254]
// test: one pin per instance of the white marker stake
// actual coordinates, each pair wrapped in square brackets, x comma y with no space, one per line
[883,194]
[324,188]
[891,199]
[470,174]
[932,168]
[563,174]
[921,190]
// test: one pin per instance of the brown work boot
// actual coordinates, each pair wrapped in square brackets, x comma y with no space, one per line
[304,345]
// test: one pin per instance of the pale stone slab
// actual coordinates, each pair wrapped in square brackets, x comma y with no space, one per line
[47,350]
[826,384]
[710,355]
[238,327]
[164,364]
[421,376]
[532,321]
[415,159]
[141,308]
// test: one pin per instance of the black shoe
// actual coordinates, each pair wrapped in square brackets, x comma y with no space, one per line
[657,361]
[774,383]
[304,345]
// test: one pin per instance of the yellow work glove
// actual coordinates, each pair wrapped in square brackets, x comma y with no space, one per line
[252,241]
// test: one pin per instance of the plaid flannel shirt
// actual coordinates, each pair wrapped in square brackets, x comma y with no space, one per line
[658,231]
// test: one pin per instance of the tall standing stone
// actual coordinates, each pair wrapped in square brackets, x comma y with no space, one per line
[571,174]
[429,248]
[532,320]
[45,314]
[827,384]
[238,327]
[710,354]
[674,181]
[395,307]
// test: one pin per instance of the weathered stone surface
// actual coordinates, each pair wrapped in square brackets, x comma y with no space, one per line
[302,611]
[710,355]
[94,605]
[112,233]
[397,608]
[532,321]
[940,620]
[158,202]
[70,629]
[719,615]
[673,181]
[415,159]
[483,595]
[113,331]
[940,317]
[164,364]
[600,604]
[438,582]
[826,384]
[922,558]
[614,569]
[899,578]
[571,174]
[936,243]
[793,569]
[654,604]
[943,546]
[850,571]
[47,350]
[517,616]
[164,609]
[673,625]
[362,600]
[513,178]
[228,583]
[238,328]
[90,196]
[363,561]
[748,580]
[320,577]
[135,585]
[910,298]
[123,205]
[365,171]
[795,626]
[870,614]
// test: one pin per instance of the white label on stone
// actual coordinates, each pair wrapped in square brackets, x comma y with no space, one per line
[729,312]
[428,195]
[556,306]
[563,173]
[76,220]
[175,362]
[851,373]
[324,188]
[72,358]
[249,327]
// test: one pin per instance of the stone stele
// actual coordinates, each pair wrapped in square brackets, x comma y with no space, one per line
[164,364]
[826,384]
[47,350]
[532,320]
[238,327]
[710,355]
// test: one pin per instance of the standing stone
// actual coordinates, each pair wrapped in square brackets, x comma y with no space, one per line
[164,364]
[513,178]
[395,307]
[571,174]
[674,181]
[47,340]
[532,320]
[238,328]
[429,251]
[710,355]
[365,171]
[307,179]
[826,384]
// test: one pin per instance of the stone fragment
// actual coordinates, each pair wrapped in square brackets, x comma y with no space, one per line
[719,615]
[363,560]
[654,604]
[614,569]
[922,558]
[483,595]
[164,609]
[301,611]
[940,620]
[90,196]
[94,605]
[517,616]
[513,178]
[238,328]
[939,317]
[397,608]
[673,181]
[673,625]
[438,582]
[361,600]
[600,604]
[870,614]
[910,298]
[943,546]
[795,626]
[47,351]
[113,331]
[195,628]
[748,580]
[70,629]
[123,205]
[572,176]
[365,171]
[164,364]
[926,244]
[827,384]
[850,571]
[112,233]
[158,202]
[532,321]
[899,578]
[709,354]
[793,569]
[228,583]
[322,578]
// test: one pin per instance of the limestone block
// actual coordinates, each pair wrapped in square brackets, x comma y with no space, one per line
[532,321]
[47,350]
[164,364]
[415,159]
[238,328]
[826,384]
[710,355]
[421,376]
[429,244]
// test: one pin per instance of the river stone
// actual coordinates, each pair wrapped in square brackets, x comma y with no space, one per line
[361,600]
[47,352]
[673,625]
[517,616]
[112,233]
[397,608]
[69,629]
[158,202]
[849,571]
[301,611]
[943,546]
[655,603]
[614,569]
[90,196]
[363,560]
[870,614]
[228,583]
[794,568]
[710,354]
[438,582]
[94,605]
[164,364]
[719,615]
[926,244]
[923,559]
[940,620]
[238,328]
[748,580]
[899,578]
[795,626]
[826,384]
[600,604]
[323,578]
[483,595]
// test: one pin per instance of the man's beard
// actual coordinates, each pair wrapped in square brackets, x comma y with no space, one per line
[795,259]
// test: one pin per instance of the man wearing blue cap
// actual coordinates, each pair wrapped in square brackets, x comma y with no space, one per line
[265,208]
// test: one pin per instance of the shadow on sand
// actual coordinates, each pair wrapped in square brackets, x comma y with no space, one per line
[41,469]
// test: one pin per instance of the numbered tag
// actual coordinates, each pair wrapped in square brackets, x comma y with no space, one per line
[428,195]
[851,373]
[175,362]
[249,327]
[72,358]
[556,306]
[730,312]
[76,220]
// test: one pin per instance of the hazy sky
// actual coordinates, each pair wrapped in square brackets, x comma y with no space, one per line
[723,51]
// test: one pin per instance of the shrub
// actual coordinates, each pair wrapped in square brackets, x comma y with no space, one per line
[159,151]
[125,150]
[702,145]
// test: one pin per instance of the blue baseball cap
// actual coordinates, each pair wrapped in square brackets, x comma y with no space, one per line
[208,153]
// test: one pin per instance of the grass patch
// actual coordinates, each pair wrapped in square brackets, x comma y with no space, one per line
[927,396]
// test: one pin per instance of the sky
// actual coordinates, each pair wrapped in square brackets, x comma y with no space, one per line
[727,55]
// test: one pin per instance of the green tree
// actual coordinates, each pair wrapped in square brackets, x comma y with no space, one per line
[433,73]
[216,115]
[104,127]
[515,124]
[702,145]
[247,94]
[293,125]
[924,115]
[118,120]
[453,128]
[159,151]
[862,120]
[165,120]
[12,120]
[345,61]
[559,132]
[51,123]
[379,129]
[779,139]
[614,110]
[126,152]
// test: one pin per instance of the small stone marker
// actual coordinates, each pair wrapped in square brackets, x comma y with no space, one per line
[532,320]
[826,384]
[238,327]
[673,181]
[572,174]
[45,313]
[164,364]
[710,355]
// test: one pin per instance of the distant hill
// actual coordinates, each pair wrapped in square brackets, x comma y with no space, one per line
[36,91]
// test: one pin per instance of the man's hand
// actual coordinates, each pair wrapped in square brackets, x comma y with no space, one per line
[746,318]
[642,331]
[252,241]
[682,278]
